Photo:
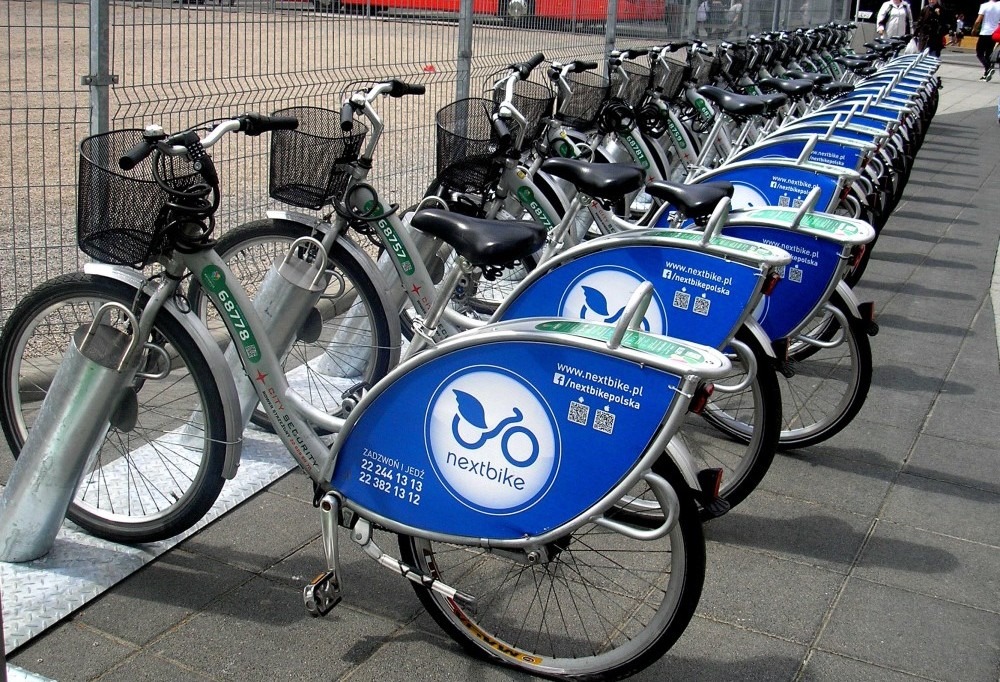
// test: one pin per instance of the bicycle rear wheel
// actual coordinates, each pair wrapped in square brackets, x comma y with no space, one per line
[346,344]
[603,607]
[828,385]
[149,480]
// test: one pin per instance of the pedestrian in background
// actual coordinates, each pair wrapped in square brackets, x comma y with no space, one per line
[986,24]
[894,19]
[934,24]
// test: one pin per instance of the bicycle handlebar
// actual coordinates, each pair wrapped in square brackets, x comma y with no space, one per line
[250,124]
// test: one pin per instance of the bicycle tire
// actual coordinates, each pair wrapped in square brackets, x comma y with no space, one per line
[543,618]
[319,370]
[736,432]
[827,386]
[146,483]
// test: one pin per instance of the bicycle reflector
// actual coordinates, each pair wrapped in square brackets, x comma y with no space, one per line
[770,282]
[857,253]
[700,398]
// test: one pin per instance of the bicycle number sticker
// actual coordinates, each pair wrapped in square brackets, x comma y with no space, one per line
[213,279]
[492,440]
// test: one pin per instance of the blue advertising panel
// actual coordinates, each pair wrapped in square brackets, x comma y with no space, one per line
[857,133]
[856,119]
[803,282]
[830,152]
[761,184]
[698,296]
[464,444]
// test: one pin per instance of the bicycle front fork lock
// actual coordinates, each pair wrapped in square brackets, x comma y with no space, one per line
[86,394]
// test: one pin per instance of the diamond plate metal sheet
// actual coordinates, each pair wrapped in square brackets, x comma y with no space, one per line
[40,593]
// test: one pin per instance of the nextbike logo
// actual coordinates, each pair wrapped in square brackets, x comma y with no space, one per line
[492,440]
[601,294]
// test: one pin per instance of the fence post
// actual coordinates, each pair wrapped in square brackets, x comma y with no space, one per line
[99,79]
[463,58]
[611,31]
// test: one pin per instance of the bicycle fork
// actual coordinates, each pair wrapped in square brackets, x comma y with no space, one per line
[89,392]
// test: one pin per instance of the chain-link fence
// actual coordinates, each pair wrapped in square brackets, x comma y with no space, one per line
[73,67]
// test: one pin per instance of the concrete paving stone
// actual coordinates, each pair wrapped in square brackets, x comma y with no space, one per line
[739,590]
[71,652]
[919,307]
[870,443]
[967,423]
[988,401]
[900,396]
[366,585]
[914,633]
[270,527]
[295,484]
[978,259]
[919,259]
[942,507]
[825,667]
[932,564]
[419,655]
[145,667]
[161,595]
[900,227]
[887,273]
[922,310]
[893,320]
[794,529]
[816,474]
[910,347]
[709,651]
[262,631]
[961,463]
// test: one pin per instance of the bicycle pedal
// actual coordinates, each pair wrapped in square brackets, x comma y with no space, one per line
[322,594]
[716,508]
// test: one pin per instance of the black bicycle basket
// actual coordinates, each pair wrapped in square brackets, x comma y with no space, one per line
[634,91]
[469,154]
[310,165]
[668,77]
[120,216]
[534,101]
[582,108]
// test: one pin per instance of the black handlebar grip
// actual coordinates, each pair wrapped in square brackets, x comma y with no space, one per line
[136,154]
[679,44]
[256,124]
[401,89]
[580,65]
[502,131]
[524,69]
[283,122]
[638,51]
[347,117]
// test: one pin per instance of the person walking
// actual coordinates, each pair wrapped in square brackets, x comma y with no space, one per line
[986,24]
[933,25]
[894,19]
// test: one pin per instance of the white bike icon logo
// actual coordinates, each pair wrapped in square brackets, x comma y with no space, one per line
[471,410]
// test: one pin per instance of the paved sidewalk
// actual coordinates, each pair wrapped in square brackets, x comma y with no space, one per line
[875,556]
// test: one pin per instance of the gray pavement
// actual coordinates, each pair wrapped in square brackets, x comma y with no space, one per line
[875,556]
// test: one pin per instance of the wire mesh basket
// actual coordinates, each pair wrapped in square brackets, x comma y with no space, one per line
[582,108]
[469,154]
[120,217]
[632,91]
[705,71]
[668,77]
[535,102]
[310,165]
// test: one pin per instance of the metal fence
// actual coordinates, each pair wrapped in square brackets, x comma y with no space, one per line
[73,67]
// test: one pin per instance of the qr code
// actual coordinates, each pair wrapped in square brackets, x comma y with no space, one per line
[252,352]
[579,413]
[682,300]
[604,422]
[795,275]
[702,305]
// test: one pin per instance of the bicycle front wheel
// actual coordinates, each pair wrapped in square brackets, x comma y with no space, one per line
[153,476]
[345,344]
[602,607]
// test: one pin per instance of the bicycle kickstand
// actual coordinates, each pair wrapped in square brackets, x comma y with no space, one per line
[324,592]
